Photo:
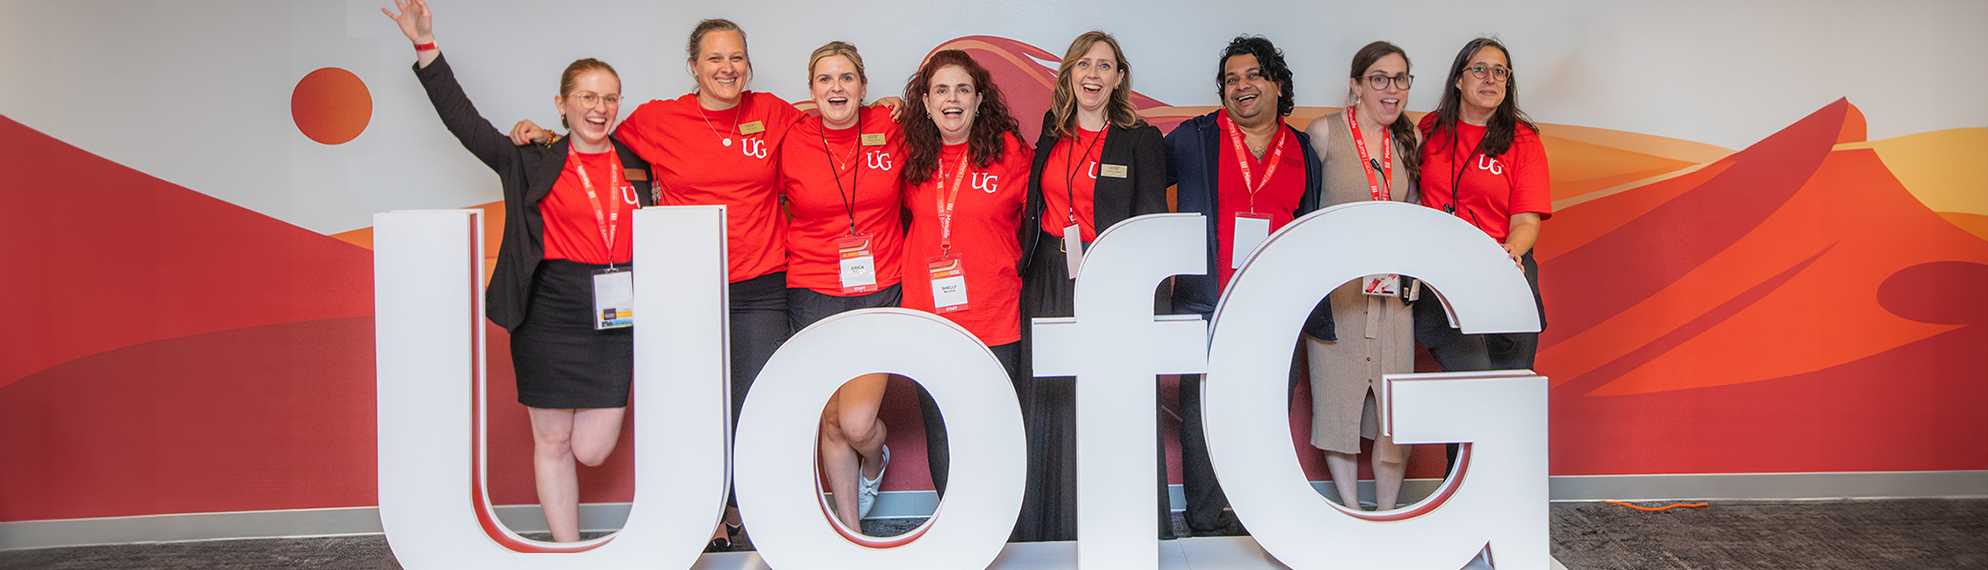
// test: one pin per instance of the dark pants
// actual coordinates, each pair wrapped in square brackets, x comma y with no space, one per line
[1457,352]
[759,325]
[938,453]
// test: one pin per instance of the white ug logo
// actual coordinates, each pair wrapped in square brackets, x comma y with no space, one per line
[753,147]
[1094,170]
[1490,164]
[430,337]
[878,160]
[984,182]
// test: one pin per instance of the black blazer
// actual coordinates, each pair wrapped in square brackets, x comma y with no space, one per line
[527,173]
[1142,191]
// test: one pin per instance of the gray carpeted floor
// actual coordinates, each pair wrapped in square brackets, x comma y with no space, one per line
[1915,534]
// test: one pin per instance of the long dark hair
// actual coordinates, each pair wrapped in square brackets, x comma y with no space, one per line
[921,137]
[1404,134]
[1498,132]
[1270,60]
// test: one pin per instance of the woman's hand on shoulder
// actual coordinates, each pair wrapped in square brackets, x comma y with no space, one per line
[527,132]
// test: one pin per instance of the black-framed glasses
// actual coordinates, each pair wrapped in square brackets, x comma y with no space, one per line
[1490,72]
[1379,81]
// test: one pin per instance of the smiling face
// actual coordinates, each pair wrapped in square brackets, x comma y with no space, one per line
[952,99]
[838,90]
[591,106]
[721,66]
[1248,94]
[1483,95]
[1095,76]
[1384,105]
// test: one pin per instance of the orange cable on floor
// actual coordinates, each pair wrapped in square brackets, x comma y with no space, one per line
[1659,508]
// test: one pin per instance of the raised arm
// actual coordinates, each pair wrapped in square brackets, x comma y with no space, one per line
[457,113]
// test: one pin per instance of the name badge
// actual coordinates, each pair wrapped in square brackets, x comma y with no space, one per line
[635,175]
[614,298]
[873,139]
[948,284]
[1388,285]
[1251,230]
[859,265]
[1073,248]
[754,127]
[1113,171]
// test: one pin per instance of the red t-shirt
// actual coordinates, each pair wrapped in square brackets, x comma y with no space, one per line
[1072,171]
[1493,188]
[572,232]
[1277,198]
[683,143]
[820,208]
[985,219]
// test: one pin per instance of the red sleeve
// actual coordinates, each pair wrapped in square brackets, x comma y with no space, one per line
[1531,187]
[781,116]
[1427,124]
[639,130]
[1021,159]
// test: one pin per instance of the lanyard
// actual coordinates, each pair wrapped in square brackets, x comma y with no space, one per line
[835,170]
[946,202]
[1242,159]
[1457,170]
[1385,186]
[1076,165]
[609,224]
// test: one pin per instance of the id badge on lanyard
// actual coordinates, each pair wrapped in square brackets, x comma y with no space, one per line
[948,284]
[1073,248]
[859,265]
[1384,285]
[1251,230]
[614,298]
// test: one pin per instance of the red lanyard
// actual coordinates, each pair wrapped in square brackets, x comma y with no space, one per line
[946,202]
[609,224]
[1242,159]
[1380,189]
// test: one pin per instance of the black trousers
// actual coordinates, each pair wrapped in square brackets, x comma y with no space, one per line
[938,454]
[759,325]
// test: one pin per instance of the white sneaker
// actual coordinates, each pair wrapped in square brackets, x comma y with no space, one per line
[867,488]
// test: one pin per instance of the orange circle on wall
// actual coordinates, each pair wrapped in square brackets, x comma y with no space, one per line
[331,105]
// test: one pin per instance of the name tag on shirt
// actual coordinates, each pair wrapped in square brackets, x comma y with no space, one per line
[1388,285]
[873,139]
[859,265]
[614,298]
[1113,171]
[948,284]
[1073,248]
[1251,230]
[751,128]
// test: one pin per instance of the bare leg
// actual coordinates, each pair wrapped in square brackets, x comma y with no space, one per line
[595,433]
[552,468]
[852,442]
[1345,469]
[1387,474]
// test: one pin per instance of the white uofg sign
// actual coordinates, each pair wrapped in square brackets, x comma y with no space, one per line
[431,406]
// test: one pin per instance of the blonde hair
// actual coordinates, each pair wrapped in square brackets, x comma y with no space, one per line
[835,48]
[1063,105]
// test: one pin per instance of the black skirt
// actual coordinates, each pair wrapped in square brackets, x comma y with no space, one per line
[1049,407]
[561,361]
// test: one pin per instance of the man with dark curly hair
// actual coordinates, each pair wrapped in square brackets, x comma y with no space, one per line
[1247,173]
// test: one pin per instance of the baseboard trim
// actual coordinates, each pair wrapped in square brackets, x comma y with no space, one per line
[23,535]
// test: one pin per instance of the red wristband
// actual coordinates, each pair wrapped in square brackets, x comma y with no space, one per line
[424,47]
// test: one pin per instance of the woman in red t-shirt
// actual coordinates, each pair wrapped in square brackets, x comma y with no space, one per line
[1483,161]
[573,371]
[965,172]
[845,237]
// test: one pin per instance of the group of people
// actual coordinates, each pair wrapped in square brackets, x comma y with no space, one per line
[935,202]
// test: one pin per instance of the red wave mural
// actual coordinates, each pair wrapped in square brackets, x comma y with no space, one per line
[1788,307]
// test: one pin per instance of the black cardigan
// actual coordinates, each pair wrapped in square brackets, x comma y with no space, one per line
[1142,191]
[527,173]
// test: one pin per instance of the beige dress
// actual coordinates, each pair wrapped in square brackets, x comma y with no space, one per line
[1376,334]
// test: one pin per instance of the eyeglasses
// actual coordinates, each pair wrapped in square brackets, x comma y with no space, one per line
[1497,73]
[1379,81]
[589,99]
